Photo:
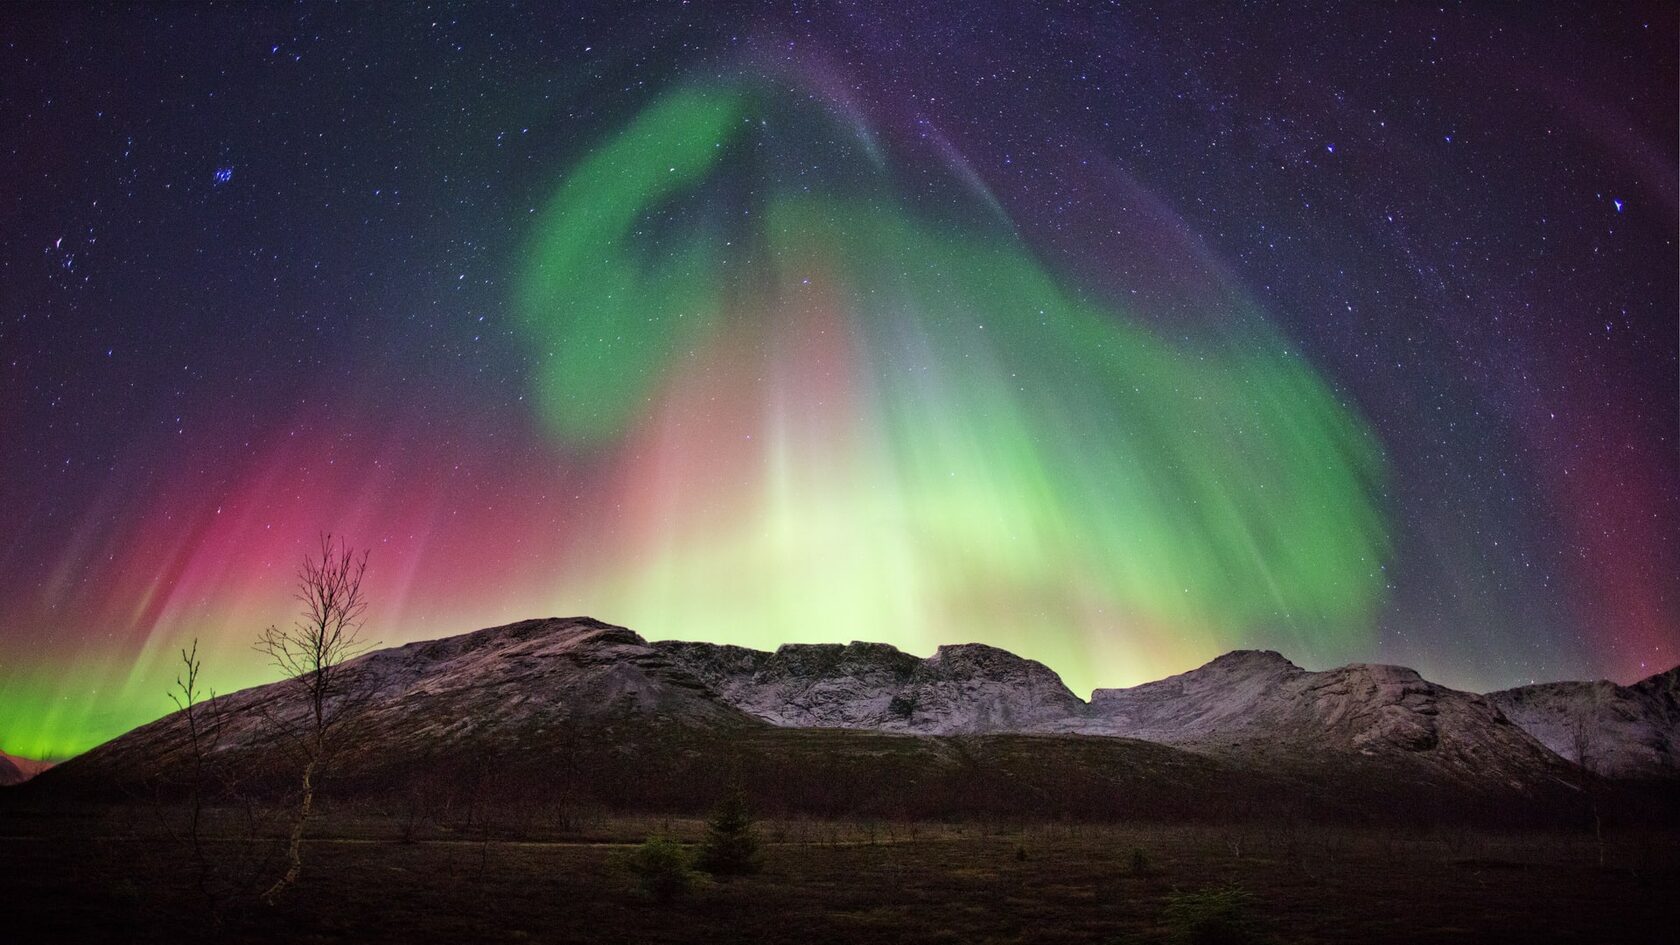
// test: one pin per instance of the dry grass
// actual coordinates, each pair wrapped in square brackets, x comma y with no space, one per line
[111,878]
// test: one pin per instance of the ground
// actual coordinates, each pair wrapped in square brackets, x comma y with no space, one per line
[117,877]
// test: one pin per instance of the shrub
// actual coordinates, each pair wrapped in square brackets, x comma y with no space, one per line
[1139,861]
[1214,917]
[662,868]
[731,844]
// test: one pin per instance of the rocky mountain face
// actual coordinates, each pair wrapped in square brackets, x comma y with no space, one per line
[1630,732]
[1252,707]
[1259,707]
[959,690]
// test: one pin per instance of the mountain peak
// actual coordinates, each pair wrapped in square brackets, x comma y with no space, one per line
[571,627]
[983,658]
[1385,671]
[1259,659]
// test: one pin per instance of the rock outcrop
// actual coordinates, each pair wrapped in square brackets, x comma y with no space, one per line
[1629,732]
[965,689]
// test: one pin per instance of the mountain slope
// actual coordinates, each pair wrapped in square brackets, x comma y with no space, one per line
[1630,732]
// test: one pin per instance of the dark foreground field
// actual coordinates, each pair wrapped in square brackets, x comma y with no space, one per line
[113,877]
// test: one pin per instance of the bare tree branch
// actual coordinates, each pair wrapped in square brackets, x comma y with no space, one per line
[313,654]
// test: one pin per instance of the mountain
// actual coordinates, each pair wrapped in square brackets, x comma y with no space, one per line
[1254,708]
[445,702]
[15,770]
[575,711]
[1628,732]
[578,711]
[1383,721]
[966,689]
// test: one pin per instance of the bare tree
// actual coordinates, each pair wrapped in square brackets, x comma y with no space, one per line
[1582,739]
[1581,735]
[313,654]
[242,866]
[202,717]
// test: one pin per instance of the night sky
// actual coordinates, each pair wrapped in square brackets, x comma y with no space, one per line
[1119,337]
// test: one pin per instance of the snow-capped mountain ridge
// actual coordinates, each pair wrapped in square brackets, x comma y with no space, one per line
[526,691]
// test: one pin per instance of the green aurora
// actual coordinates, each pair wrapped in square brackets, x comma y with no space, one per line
[1011,464]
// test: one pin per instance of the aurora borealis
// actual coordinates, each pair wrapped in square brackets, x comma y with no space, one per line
[1118,338]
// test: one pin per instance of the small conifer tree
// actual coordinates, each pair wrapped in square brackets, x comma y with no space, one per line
[731,844]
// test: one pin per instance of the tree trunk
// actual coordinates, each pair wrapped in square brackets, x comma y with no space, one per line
[1598,831]
[294,848]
